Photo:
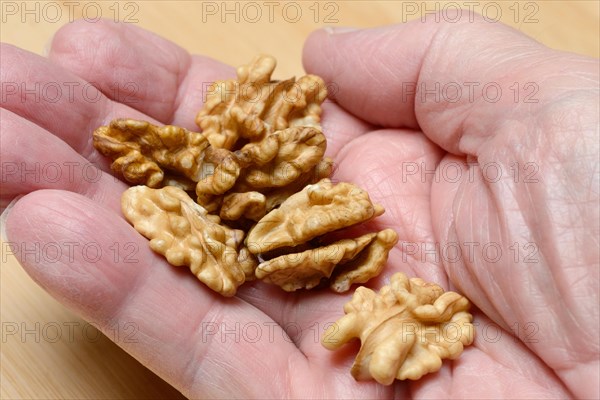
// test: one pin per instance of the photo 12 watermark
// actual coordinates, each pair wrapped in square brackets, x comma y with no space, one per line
[67,331]
[470,172]
[59,12]
[469,92]
[470,251]
[71,251]
[453,12]
[48,173]
[69,92]
[253,12]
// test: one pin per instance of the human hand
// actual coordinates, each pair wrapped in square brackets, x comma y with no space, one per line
[515,188]
[174,312]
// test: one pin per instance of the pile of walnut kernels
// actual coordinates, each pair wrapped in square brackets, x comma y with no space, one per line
[249,198]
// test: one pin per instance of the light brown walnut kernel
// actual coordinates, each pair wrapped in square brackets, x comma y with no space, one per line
[296,151]
[292,152]
[273,197]
[142,152]
[406,329]
[156,156]
[221,169]
[281,160]
[305,270]
[254,105]
[277,196]
[185,234]
[249,205]
[318,209]
[359,260]
[367,265]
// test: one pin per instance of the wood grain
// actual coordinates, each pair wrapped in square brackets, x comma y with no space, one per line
[46,351]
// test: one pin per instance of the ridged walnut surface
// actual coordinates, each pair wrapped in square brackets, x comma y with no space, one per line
[277,161]
[367,264]
[254,105]
[285,234]
[318,209]
[359,259]
[405,330]
[185,234]
[142,151]
[277,196]
[255,205]
[291,152]
[152,155]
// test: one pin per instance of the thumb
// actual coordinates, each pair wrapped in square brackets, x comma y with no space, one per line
[458,79]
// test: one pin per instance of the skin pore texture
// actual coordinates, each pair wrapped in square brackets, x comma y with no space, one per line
[444,171]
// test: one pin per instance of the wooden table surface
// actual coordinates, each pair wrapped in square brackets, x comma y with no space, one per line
[47,351]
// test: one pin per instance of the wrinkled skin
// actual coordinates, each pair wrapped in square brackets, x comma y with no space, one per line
[377,133]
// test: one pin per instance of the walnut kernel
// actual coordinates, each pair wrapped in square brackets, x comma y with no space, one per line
[254,105]
[185,234]
[406,330]
[318,209]
[361,259]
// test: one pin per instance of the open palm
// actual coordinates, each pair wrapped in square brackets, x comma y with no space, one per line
[495,199]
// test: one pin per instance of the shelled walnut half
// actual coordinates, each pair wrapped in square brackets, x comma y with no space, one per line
[318,209]
[279,161]
[359,259]
[254,105]
[156,156]
[406,330]
[185,234]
